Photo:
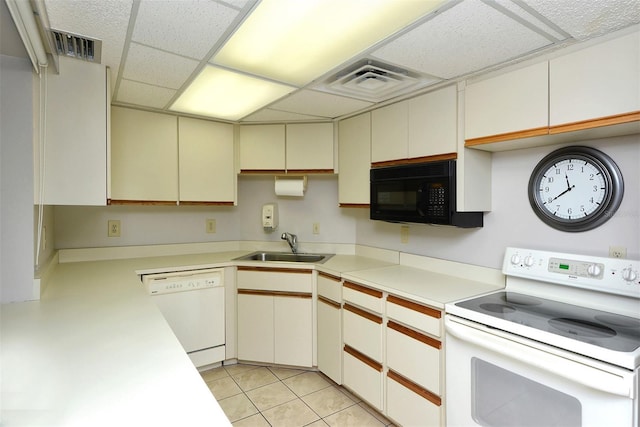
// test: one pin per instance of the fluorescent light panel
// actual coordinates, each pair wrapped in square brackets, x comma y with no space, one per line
[296,41]
[225,94]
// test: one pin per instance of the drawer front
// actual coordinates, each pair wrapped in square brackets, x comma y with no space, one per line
[363,379]
[368,298]
[363,331]
[274,279]
[330,287]
[409,408]
[416,315]
[414,358]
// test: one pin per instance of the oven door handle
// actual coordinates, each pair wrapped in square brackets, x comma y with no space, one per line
[592,377]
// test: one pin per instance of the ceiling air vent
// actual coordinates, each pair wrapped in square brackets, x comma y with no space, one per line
[375,81]
[76,46]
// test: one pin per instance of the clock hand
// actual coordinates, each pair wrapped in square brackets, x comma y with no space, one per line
[567,178]
[564,192]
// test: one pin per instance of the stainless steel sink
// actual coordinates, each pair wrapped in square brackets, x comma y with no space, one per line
[284,257]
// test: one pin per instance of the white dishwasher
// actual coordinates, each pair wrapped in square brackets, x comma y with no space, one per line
[192,302]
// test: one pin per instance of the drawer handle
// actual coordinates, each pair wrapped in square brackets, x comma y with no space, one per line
[363,289]
[364,359]
[433,398]
[415,335]
[362,313]
[329,302]
[431,312]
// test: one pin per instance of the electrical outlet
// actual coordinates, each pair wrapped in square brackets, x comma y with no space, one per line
[114,228]
[617,252]
[404,234]
[316,228]
[211,225]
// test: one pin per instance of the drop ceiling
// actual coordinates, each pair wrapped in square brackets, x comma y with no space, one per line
[156,48]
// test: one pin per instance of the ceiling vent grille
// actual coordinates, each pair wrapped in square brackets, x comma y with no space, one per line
[375,81]
[76,46]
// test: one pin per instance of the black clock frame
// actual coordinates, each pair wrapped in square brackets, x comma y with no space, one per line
[613,181]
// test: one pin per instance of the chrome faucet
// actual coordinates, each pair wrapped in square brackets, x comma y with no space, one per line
[292,240]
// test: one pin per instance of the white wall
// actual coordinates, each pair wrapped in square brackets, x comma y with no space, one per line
[16,179]
[512,221]
[80,227]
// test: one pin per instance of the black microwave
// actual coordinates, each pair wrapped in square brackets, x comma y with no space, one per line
[421,193]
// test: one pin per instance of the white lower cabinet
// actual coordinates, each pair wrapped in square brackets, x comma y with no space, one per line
[275,316]
[410,405]
[329,329]
[364,377]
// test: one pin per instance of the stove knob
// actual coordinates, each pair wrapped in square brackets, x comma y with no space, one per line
[515,259]
[529,261]
[594,270]
[629,275]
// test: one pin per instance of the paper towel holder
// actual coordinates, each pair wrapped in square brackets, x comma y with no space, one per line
[282,185]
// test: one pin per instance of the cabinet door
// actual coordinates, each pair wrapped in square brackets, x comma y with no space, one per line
[255,327]
[293,334]
[262,148]
[354,155]
[329,339]
[144,155]
[512,102]
[595,82]
[433,120]
[309,147]
[364,377]
[410,405]
[389,132]
[76,135]
[207,172]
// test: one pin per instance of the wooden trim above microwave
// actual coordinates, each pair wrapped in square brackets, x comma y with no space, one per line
[424,159]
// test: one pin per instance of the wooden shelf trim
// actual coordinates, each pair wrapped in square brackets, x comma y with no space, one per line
[431,312]
[363,289]
[276,269]
[287,294]
[617,119]
[424,159]
[329,276]
[414,334]
[261,171]
[329,302]
[310,171]
[363,358]
[142,202]
[193,203]
[528,133]
[354,205]
[362,313]
[423,392]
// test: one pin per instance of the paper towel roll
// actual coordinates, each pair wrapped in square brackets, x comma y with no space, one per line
[290,186]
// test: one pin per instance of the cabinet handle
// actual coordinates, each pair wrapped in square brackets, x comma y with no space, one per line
[274,293]
[364,359]
[432,312]
[433,398]
[329,302]
[362,313]
[415,335]
[329,276]
[363,289]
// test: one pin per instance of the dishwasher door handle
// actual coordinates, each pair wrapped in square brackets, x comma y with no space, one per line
[597,379]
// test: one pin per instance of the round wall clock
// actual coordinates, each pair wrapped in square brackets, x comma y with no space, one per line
[575,188]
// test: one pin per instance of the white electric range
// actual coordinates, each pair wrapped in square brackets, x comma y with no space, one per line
[559,346]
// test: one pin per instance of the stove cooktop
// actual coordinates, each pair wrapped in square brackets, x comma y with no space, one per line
[599,328]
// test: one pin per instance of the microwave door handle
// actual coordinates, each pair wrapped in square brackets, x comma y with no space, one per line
[573,371]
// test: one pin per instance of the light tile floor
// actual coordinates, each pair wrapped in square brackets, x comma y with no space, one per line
[253,395]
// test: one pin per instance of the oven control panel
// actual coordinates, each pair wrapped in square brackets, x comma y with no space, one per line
[611,275]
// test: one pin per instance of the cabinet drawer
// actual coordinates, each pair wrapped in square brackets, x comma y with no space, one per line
[416,315]
[363,376]
[368,298]
[414,355]
[363,331]
[330,287]
[409,405]
[275,279]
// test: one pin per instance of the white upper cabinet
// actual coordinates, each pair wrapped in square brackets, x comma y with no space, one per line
[262,148]
[512,102]
[596,82]
[390,132]
[206,161]
[309,147]
[354,148]
[144,156]
[76,135]
[433,119]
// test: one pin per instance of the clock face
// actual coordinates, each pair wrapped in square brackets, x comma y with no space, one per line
[575,188]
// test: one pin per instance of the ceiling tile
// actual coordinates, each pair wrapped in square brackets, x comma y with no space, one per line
[143,94]
[187,27]
[584,19]
[269,115]
[148,65]
[319,104]
[468,37]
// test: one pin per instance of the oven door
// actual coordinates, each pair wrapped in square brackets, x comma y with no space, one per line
[494,378]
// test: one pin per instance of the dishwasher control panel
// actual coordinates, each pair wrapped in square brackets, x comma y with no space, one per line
[182,281]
